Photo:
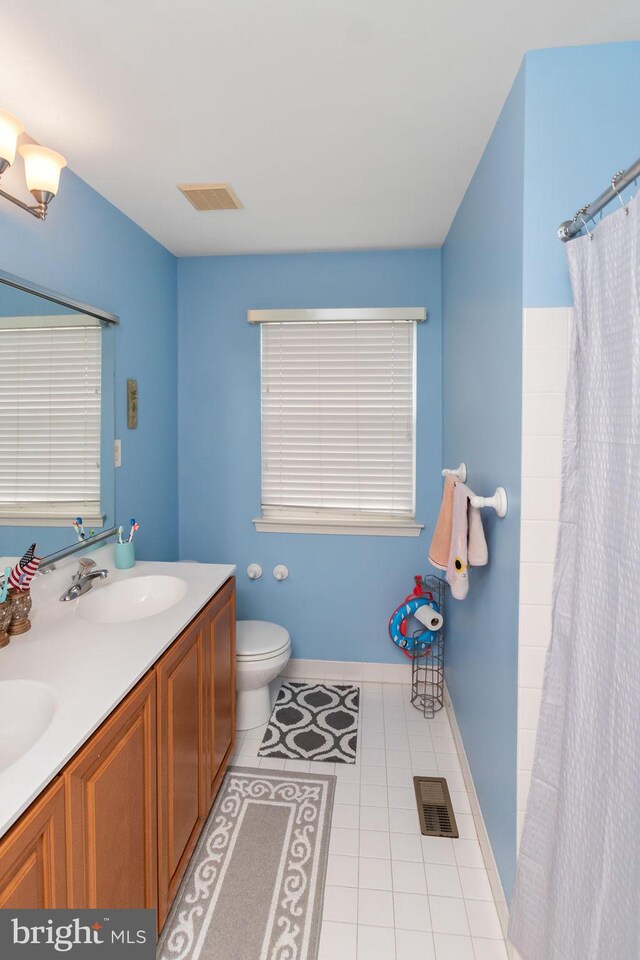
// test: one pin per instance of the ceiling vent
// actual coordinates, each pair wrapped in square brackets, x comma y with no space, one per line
[210,196]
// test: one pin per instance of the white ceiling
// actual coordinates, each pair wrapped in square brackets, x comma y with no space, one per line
[341,124]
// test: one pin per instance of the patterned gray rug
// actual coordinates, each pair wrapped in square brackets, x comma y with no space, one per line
[255,884]
[313,721]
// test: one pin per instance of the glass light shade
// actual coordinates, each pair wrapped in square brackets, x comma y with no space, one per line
[41,167]
[10,130]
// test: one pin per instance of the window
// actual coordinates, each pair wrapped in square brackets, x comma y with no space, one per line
[50,386]
[338,423]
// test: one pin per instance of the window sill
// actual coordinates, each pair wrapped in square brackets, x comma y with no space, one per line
[351,527]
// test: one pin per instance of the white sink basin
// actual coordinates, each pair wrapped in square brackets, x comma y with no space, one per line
[129,600]
[26,709]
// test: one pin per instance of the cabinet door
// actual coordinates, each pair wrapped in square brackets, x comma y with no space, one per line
[33,872]
[181,754]
[111,786]
[221,685]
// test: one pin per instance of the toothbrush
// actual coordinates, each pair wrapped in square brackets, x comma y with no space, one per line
[134,528]
[80,528]
[133,523]
[120,534]
[5,585]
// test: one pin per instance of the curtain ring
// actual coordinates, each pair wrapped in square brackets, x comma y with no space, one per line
[584,224]
[614,180]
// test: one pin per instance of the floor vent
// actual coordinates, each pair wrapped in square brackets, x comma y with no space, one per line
[435,812]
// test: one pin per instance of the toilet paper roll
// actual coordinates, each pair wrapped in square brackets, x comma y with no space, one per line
[429,617]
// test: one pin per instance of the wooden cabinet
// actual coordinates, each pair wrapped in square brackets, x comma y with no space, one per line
[111,791]
[33,871]
[181,757]
[220,666]
[196,733]
[117,828]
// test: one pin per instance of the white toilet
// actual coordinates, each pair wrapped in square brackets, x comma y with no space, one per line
[263,650]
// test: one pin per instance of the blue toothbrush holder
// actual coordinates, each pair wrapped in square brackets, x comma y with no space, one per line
[125,556]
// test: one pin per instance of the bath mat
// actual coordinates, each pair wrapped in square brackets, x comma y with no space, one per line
[255,884]
[313,721]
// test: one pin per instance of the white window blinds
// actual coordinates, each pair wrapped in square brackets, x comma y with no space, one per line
[338,412]
[50,385]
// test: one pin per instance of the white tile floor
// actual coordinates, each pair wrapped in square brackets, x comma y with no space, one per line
[392,894]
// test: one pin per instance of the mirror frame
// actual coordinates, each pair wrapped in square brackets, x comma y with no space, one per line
[27,286]
[107,320]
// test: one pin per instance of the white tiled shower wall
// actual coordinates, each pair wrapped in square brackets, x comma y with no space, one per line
[544,372]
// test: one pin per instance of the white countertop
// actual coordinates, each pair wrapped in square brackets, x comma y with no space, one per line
[89,667]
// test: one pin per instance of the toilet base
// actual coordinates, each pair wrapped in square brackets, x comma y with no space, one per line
[253,707]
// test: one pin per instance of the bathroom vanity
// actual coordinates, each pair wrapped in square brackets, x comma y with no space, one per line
[104,809]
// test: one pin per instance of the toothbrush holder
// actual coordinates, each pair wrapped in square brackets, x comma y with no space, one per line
[125,555]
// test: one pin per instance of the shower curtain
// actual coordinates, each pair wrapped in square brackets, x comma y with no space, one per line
[577,893]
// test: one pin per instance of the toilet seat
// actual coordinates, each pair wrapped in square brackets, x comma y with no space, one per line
[258,640]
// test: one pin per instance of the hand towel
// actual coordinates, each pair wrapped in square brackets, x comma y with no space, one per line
[441,542]
[468,544]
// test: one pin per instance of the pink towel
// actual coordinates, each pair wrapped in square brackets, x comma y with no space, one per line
[441,541]
[468,544]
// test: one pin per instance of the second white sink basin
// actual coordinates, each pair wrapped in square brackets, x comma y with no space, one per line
[129,600]
[26,709]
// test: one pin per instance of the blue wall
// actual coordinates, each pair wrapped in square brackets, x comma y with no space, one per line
[482,346]
[341,590]
[581,128]
[87,249]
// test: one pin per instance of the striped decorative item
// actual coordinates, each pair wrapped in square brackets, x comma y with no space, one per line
[22,574]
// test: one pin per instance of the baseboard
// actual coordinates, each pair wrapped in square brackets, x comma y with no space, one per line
[349,670]
[481,829]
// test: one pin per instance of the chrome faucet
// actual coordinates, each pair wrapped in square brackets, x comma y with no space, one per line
[83,579]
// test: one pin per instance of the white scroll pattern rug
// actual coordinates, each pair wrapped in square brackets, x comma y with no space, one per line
[255,884]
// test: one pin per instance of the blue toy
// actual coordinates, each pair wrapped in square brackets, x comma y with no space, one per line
[398,623]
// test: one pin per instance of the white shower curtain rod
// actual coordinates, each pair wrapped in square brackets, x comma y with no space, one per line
[619,182]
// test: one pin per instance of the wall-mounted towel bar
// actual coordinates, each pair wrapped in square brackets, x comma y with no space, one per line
[498,501]
[460,472]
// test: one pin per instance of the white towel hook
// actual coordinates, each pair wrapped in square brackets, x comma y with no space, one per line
[460,472]
[498,501]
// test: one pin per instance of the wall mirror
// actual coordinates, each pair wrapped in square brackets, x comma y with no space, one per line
[57,420]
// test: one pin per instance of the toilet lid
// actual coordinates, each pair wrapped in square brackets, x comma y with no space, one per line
[259,639]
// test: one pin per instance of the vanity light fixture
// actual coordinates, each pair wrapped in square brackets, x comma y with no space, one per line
[41,166]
